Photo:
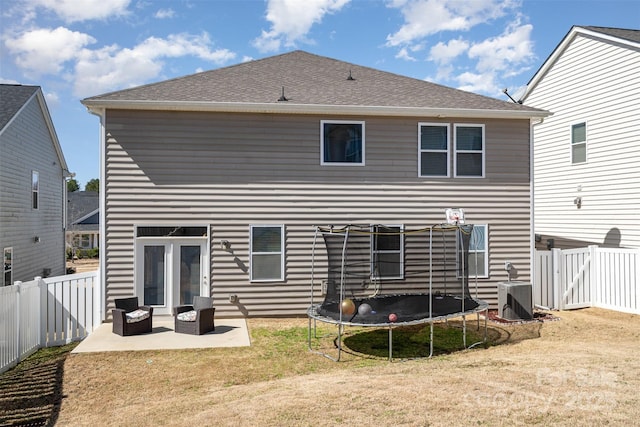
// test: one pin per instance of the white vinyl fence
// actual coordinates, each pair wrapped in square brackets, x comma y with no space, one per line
[45,313]
[588,277]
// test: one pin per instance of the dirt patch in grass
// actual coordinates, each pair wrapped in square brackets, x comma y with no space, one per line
[580,370]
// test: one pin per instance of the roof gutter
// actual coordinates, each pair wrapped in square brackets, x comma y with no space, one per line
[96,106]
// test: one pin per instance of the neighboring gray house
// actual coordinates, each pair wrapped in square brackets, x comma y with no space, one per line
[83,220]
[32,187]
[587,154]
[212,183]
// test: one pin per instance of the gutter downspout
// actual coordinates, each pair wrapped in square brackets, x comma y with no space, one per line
[100,112]
[532,237]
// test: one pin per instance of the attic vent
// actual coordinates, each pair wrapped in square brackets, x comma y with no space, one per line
[282,97]
[350,76]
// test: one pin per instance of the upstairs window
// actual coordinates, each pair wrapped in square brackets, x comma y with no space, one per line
[267,253]
[387,252]
[8,266]
[35,189]
[342,143]
[469,150]
[579,143]
[433,157]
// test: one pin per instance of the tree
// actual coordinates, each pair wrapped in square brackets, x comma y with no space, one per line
[72,185]
[93,185]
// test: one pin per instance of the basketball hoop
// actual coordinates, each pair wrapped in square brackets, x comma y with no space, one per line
[455,216]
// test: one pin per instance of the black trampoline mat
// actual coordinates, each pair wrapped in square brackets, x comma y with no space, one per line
[407,308]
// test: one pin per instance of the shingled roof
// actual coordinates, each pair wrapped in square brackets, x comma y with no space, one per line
[13,98]
[82,210]
[621,33]
[309,83]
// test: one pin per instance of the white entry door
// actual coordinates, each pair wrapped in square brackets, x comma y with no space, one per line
[170,272]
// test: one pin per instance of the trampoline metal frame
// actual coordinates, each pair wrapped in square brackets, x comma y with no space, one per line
[314,316]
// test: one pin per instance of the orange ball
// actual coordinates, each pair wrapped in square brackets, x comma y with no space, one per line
[348,307]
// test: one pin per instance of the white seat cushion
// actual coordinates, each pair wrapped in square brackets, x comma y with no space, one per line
[187,316]
[137,316]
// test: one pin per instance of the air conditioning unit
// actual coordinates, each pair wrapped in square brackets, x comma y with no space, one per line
[514,301]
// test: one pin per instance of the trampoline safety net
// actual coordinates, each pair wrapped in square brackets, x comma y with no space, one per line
[393,269]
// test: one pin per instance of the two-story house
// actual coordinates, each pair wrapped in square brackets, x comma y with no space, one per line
[32,187]
[587,154]
[212,183]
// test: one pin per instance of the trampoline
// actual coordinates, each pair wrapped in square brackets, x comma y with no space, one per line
[387,277]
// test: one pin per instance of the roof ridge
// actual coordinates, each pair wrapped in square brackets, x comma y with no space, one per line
[311,83]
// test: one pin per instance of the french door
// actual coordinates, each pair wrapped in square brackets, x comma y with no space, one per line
[170,272]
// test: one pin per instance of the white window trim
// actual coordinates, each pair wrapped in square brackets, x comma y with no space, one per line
[251,253]
[456,151]
[420,150]
[571,144]
[401,252]
[10,249]
[35,191]
[341,122]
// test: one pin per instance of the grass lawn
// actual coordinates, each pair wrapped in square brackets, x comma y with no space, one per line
[583,369]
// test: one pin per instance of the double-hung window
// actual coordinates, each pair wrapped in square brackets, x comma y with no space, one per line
[478,252]
[579,143]
[35,189]
[478,259]
[433,156]
[469,150]
[387,252]
[8,266]
[267,253]
[342,143]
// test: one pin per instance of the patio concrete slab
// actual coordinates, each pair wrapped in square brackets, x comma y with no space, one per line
[228,333]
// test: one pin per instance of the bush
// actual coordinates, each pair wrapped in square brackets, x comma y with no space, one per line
[87,253]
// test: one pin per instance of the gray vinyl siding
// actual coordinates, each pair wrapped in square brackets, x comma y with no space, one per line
[26,146]
[594,81]
[229,171]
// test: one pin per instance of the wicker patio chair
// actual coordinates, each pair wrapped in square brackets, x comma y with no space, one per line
[131,319]
[195,319]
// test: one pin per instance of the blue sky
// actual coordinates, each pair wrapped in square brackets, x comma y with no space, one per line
[74,49]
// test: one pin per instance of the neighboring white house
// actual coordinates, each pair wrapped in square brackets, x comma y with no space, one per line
[587,154]
[32,187]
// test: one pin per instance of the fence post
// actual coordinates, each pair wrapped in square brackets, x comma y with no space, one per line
[18,355]
[557,279]
[594,273]
[97,293]
[44,310]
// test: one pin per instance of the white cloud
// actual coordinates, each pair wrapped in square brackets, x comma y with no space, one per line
[74,11]
[471,62]
[444,53]
[404,54]
[112,67]
[512,47]
[165,13]
[426,17]
[8,81]
[53,100]
[291,21]
[45,51]
[478,82]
